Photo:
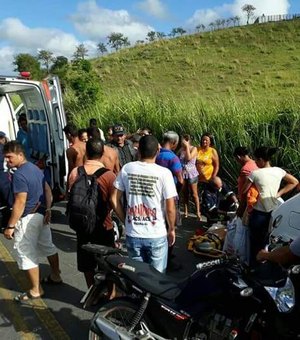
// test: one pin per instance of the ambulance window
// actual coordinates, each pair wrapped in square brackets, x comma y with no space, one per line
[59,124]
[15,100]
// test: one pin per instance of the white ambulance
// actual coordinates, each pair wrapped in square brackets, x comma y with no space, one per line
[285,221]
[41,102]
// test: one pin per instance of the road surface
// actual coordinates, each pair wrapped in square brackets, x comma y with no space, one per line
[59,314]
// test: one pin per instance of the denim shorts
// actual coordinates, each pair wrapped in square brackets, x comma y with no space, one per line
[150,250]
[193,180]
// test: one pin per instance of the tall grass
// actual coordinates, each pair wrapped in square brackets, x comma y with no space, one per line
[231,121]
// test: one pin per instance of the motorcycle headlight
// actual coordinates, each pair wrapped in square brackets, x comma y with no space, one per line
[284,297]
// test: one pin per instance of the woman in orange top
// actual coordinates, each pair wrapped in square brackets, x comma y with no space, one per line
[207,159]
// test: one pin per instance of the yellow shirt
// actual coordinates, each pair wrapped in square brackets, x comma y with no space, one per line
[205,164]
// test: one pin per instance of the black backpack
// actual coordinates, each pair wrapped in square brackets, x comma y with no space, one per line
[84,203]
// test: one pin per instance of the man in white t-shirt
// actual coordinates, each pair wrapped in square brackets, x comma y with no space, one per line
[150,193]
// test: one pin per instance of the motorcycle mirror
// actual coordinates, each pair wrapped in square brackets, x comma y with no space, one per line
[295,269]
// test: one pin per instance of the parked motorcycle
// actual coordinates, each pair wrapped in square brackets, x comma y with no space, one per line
[222,299]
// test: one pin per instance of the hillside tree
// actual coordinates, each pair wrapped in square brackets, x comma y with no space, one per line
[101,47]
[117,40]
[181,31]
[60,62]
[27,62]
[236,20]
[249,9]
[177,31]
[46,57]
[212,26]
[151,36]
[200,28]
[80,53]
[126,42]
[83,82]
[60,68]
[228,22]
[160,35]
[218,23]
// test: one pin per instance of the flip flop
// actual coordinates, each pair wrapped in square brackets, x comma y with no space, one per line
[26,296]
[47,280]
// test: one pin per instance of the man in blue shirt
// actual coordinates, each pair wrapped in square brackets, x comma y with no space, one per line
[22,135]
[168,159]
[31,210]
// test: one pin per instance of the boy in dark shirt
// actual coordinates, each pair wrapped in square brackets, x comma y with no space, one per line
[217,199]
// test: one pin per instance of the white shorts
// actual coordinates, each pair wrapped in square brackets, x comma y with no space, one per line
[32,239]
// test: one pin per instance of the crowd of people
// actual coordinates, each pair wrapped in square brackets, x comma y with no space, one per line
[142,183]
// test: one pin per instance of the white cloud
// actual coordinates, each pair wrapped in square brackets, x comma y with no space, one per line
[154,7]
[19,38]
[6,59]
[15,37]
[267,7]
[97,23]
[28,39]
[203,16]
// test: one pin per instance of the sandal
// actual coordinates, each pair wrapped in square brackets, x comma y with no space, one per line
[47,280]
[26,296]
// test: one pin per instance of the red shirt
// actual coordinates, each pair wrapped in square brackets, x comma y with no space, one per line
[246,170]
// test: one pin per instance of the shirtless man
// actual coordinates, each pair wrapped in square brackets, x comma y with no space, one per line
[110,157]
[76,151]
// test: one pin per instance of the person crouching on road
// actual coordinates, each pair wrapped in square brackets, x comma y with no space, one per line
[28,224]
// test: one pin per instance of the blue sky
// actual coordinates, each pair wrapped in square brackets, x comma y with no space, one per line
[60,25]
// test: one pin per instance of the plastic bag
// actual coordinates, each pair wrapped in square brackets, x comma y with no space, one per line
[237,240]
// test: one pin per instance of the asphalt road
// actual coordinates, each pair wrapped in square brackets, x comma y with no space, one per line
[59,314]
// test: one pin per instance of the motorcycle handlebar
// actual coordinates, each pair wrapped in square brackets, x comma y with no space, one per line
[101,250]
[212,263]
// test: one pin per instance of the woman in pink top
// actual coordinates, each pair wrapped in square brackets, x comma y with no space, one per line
[187,156]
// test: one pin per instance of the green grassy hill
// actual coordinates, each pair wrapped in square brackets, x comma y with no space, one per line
[241,84]
[257,60]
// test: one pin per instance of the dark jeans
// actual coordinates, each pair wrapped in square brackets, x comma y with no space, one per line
[258,231]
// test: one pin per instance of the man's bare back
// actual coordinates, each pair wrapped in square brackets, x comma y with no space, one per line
[110,159]
[75,154]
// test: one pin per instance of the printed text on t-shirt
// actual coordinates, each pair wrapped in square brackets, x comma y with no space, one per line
[142,185]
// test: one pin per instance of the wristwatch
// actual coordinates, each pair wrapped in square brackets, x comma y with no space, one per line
[10,226]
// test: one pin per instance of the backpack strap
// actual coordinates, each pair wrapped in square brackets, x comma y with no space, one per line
[97,173]
[81,170]
[100,172]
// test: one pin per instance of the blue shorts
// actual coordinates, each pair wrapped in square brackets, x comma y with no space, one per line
[150,250]
[193,180]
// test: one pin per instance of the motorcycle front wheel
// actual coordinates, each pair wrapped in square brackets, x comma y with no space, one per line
[119,312]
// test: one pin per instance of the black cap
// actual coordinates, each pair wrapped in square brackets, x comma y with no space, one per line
[118,130]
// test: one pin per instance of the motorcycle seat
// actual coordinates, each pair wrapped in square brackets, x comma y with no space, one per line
[146,277]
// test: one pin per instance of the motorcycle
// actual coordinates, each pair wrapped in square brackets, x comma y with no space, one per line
[222,299]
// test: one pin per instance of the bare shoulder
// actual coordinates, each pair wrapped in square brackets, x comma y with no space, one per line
[215,152]
[110,151]
[71,151]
